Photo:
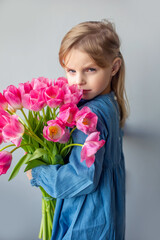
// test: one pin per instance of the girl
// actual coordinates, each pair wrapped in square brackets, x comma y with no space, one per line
[91,201]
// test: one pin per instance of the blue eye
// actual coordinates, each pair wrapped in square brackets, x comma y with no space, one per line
[71,71]
[90,69]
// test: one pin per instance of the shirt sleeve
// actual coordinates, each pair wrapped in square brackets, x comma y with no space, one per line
[74,178]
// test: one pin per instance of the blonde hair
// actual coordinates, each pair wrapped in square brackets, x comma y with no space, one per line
[101,42]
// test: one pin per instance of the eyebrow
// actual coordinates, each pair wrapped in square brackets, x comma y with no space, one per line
[90,65]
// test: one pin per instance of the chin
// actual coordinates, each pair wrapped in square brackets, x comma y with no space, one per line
[86,97]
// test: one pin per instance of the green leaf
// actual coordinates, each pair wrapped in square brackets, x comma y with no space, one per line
[38,153]
[33,164]
[35,143]
[22,161]
[25,138]
[39,125]
[57,159]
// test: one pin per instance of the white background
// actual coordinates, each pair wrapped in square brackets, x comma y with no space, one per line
[30,35]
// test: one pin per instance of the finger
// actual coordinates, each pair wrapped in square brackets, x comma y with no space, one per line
[29,174]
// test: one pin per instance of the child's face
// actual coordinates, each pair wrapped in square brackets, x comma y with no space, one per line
[82,70]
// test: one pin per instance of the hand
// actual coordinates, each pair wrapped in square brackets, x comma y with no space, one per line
[29,174]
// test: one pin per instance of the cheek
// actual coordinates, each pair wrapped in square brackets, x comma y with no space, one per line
[98,82]
[105,79]
[70,80]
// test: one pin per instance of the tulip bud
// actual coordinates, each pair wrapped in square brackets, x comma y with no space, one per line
[13,96]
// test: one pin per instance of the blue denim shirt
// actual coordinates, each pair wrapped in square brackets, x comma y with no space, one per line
[90,201]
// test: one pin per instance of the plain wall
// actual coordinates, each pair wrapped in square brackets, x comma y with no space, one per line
[30,35]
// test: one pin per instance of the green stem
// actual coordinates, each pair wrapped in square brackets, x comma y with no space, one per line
[41,229]
[23,123]
[34,113]
[10,112]
[73,130]
[26,119]
[53,205]
[44,116]
[71,145]
[43,191]
[47,216]
[39,115]
[51,210]
[49,219]
[14,149]
[11,145]
[52,114]
[44,221]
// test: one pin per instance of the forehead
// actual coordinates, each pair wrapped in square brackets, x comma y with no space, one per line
[78,59]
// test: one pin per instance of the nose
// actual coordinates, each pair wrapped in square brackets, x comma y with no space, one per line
[80,80]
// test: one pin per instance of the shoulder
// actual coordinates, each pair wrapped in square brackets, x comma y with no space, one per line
[104,106]
[107,110]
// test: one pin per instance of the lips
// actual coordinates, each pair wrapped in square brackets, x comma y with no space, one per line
[86,91]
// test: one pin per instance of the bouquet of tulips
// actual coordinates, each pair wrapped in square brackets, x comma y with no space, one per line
[50,115]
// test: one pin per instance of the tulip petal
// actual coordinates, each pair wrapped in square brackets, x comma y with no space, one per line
[67,114]
[93,137]
[13,131]
[17,141]
[5,161]
[90,148]
[90,160]
[65,137]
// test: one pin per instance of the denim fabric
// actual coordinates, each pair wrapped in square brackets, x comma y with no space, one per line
[90,201]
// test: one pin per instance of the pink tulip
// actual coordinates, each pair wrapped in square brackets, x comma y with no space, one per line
[86,120]
[60,82]
[53,96]
[34,100]
[4,118]
[13,131]
[25,88]
[13,97]
[72,94]
[40,83]
[3,102]
[5,161]
[55,131]
[90,147]
[67,114]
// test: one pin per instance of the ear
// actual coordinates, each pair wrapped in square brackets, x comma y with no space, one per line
[115,66]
